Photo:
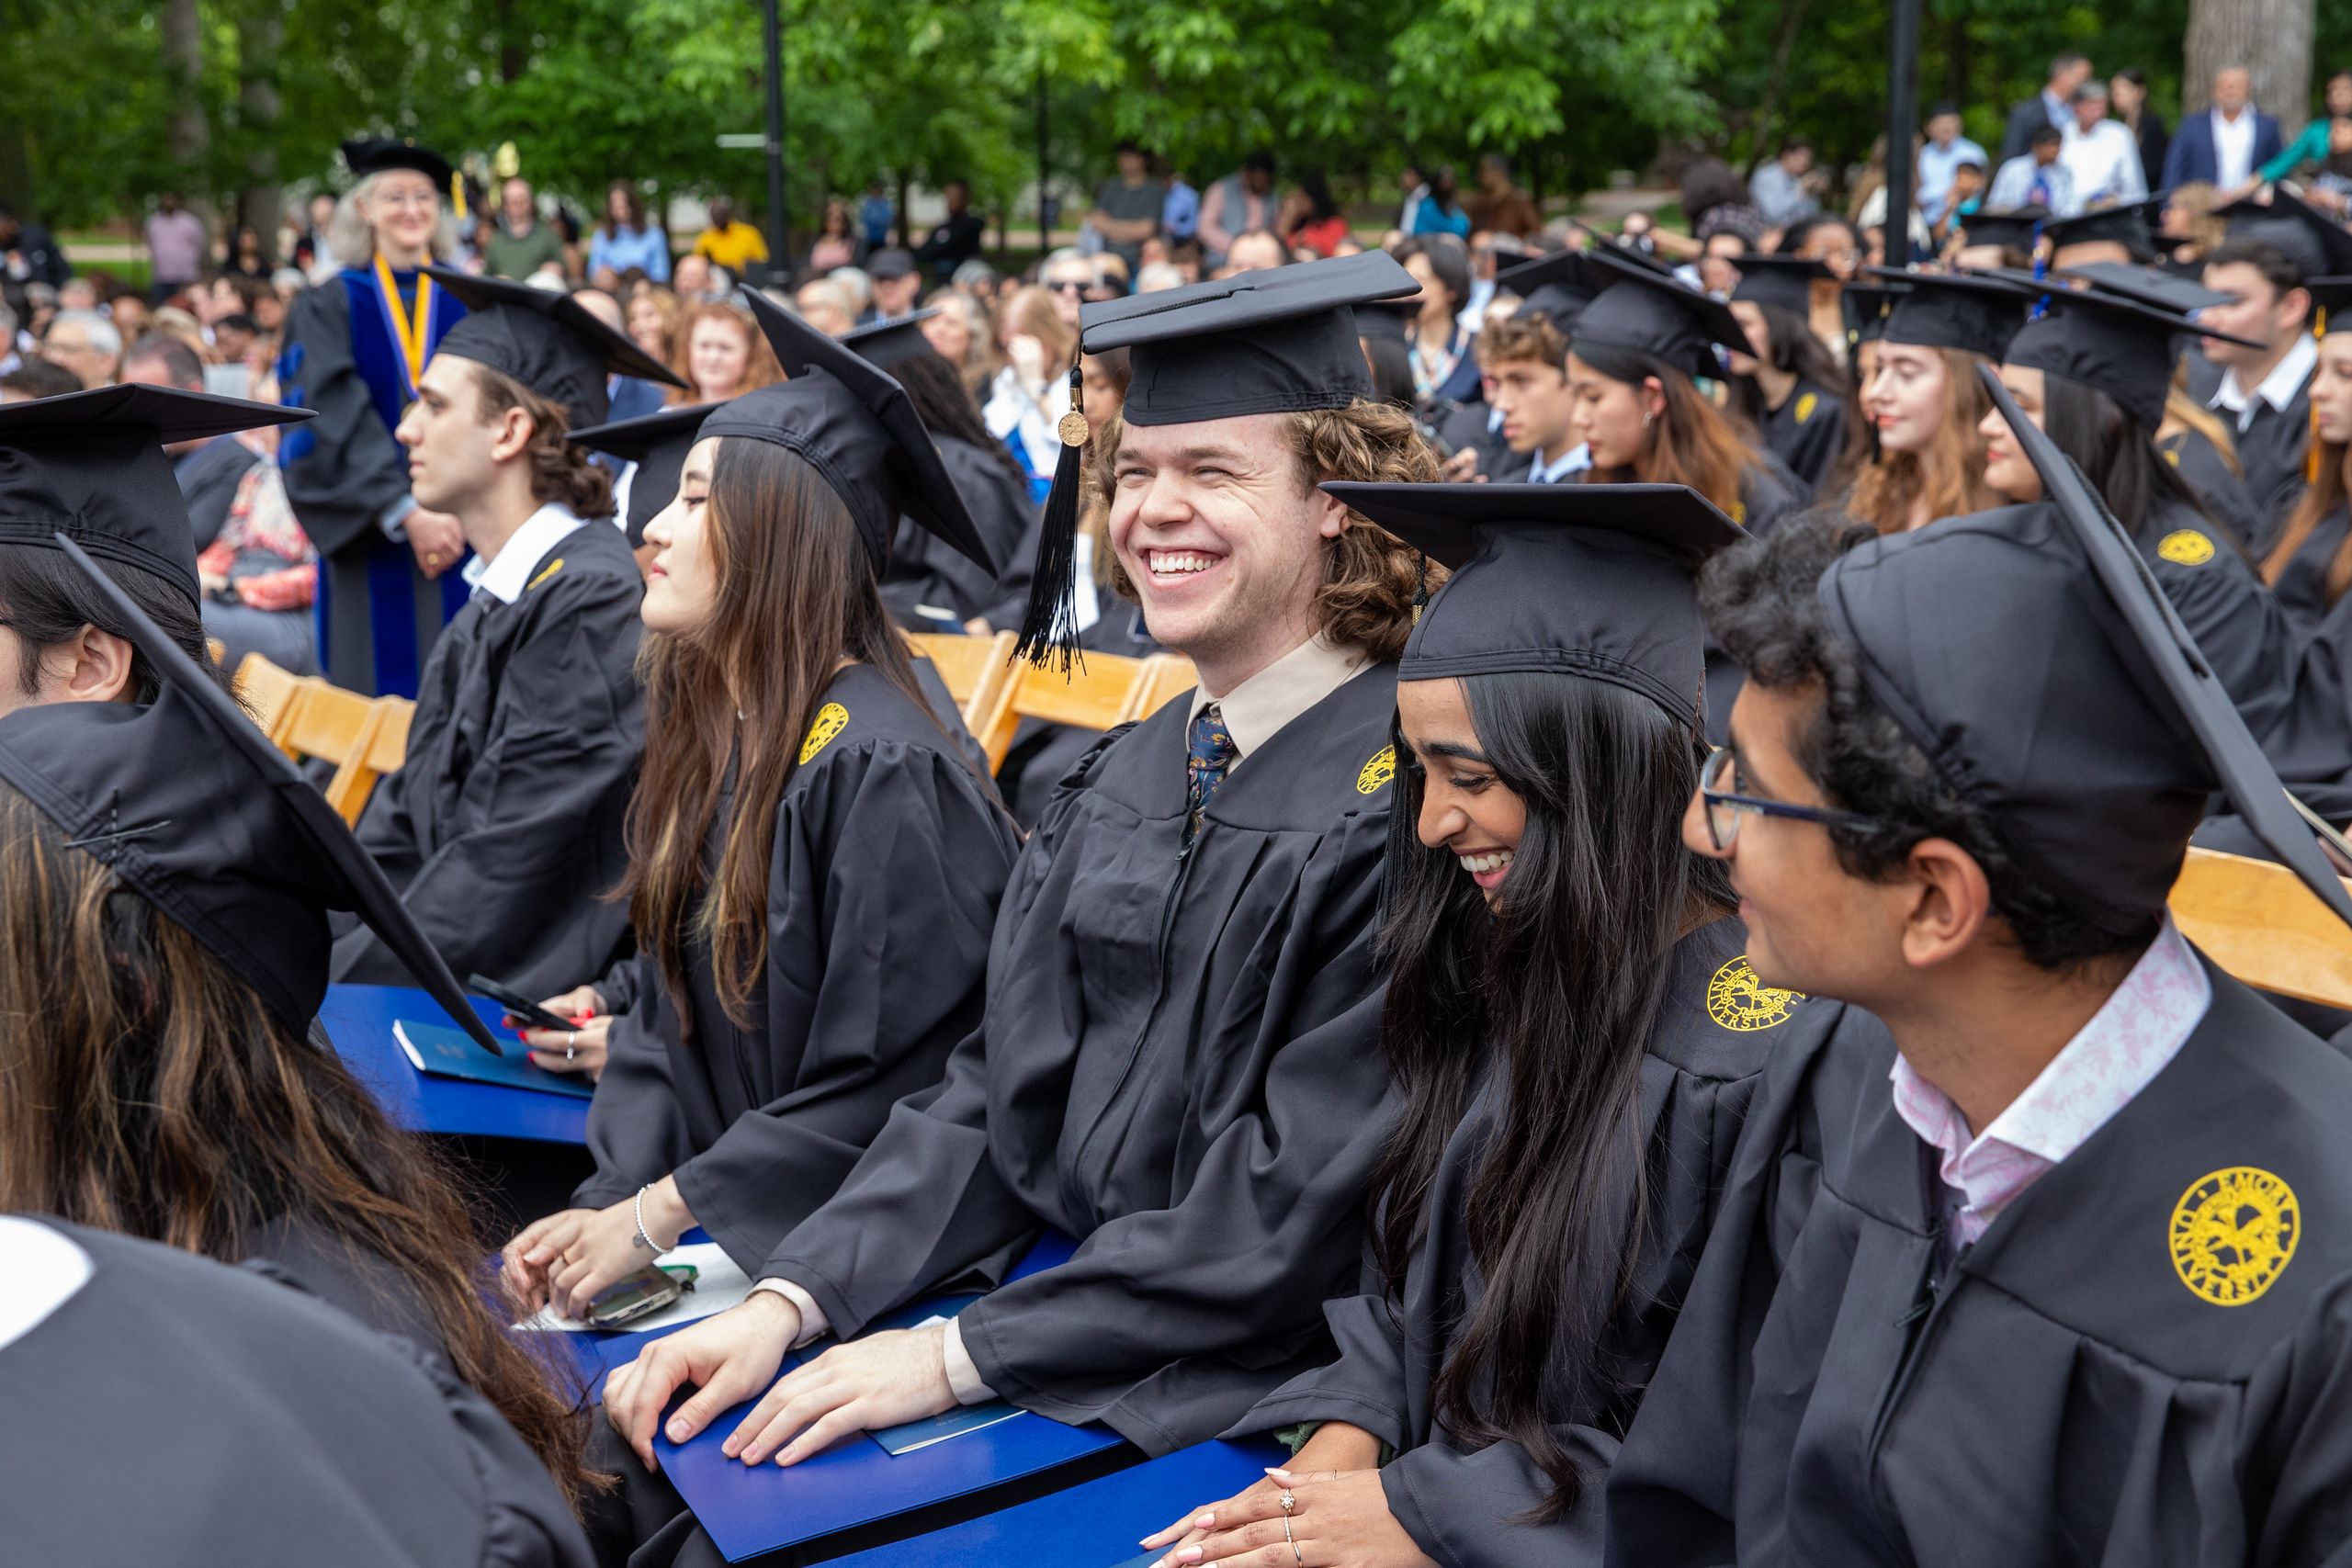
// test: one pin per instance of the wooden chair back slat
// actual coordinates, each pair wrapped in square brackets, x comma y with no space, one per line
[1094,695]
[2257,920]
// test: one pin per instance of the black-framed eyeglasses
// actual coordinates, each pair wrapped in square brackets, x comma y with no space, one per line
[1070,285]
[1725,807]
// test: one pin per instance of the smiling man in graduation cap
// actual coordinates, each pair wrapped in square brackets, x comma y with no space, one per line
[2060,1272]
[503,829]
[1177,1065]
[92,465]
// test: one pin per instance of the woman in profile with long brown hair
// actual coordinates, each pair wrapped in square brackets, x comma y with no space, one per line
[165,879]
[2310,564]
[814,865]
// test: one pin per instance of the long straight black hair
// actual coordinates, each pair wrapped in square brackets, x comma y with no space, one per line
[1557,986]
[2120,458]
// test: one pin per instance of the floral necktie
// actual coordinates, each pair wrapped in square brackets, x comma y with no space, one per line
[1209,753]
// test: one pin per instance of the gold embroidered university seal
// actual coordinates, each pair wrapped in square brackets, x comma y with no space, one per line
[1737,1000]
[2233,1233]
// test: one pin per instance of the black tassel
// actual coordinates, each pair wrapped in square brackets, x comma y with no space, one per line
[1049,626]
[1421,585]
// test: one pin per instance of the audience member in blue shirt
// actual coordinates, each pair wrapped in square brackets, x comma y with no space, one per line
[1945,150]
[875,215]
[625,240]
[1180,215]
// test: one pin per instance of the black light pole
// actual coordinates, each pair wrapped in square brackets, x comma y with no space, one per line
[779,220]
[1045,208]
[1902,122]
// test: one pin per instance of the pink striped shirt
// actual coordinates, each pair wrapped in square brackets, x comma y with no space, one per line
[2118,1053]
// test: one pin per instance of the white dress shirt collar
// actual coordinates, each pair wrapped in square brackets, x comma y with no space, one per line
[506,574]
[1256,710]
[1576,459]
[2277,389]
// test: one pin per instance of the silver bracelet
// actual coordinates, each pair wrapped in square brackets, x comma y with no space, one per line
[644,1236]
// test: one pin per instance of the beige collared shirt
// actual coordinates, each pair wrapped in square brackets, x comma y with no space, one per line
[1256,710]
[1254,713]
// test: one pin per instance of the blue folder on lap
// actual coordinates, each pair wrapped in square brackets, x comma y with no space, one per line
[358,1022]
[1093,1525]
[750,1509]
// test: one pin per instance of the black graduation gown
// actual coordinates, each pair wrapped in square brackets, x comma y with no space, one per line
[2069,1393]
[2302,588]
[1807,433]
[2222,491]
[502,829]
[1462,1503]
[344,472]
[891,854]
[2238,625]
[1178,1066]
[176,1411]
[2271,450]
[1043,754]
[926,572]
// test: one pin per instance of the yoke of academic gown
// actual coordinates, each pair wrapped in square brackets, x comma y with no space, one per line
[1178,1066]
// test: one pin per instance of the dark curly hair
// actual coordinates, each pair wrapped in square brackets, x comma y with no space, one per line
[1761,605]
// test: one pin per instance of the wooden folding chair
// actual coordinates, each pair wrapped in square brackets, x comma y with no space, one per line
[268,692]
[1094,695]
[1164,675]
[324,721]
[382,749]
[2257,920]
[976,669]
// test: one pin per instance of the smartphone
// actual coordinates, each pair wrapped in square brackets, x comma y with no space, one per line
[637,1295]
[517,1004]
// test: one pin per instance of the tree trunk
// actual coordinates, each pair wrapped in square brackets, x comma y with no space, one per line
[1768,113]
[186,135]
[906,224]
[2272,39]
[259,37]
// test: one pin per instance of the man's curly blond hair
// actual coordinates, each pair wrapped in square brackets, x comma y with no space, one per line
[1370,577]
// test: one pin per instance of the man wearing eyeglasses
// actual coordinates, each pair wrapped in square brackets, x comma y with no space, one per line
[2060,1270]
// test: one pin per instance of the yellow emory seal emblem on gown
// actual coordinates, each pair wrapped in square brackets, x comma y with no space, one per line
[1737,1000]
[2185,547]
[830,718]
[2233,1233]
[1378,771]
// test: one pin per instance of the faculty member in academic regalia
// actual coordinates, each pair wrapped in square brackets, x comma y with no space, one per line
[1178,1063]
[503,829]
[355,347]
[165,876]
[172,1410]
[1799,411]
[2092,370]
[2058,1273]
[816,861]
[1574,1046]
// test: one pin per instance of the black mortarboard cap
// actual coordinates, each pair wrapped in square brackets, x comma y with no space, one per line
[2316,243]
[2126,223]
[1556,286]
[657,444]
[1969,311]
[1867,306]
[1277,340]
[2029,655]
[2329,297]
[2109,344]
[187,802]
[2148,285]
[894,341]
[91,466]
[1576,579]
[1389,319]
[375,154]
[1282,340]
[1785,282]
[547,341]
[1659,314]
[848,420]
[2017,227]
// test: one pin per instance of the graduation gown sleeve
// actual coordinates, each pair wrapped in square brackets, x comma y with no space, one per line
[1809,433]
[887,864]
[2237,624]
[343,471]
[503,830]
[926,572]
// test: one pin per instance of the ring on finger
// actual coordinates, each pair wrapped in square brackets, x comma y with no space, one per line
[1289,1500]
[1297,1556]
